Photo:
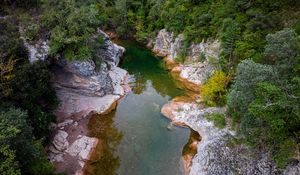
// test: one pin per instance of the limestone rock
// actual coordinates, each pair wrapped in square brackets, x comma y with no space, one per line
[197,73]
[110,52]
[293,169]
[82,147]
[166,45]
[60,141]
[195,69]
[214,155]
[163,42]
[37,51]
[65,123]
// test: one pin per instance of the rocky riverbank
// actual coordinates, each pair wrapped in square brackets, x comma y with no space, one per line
[219,152]
[199,61]
[82,89]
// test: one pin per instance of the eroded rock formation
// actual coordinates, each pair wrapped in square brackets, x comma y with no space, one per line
[198,64]
[217,154]
[82,88]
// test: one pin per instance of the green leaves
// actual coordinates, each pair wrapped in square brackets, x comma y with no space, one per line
[266,98]
[71,24]
[213,91]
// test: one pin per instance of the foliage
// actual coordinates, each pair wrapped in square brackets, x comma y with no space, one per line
[6,77]
[16,134]
[218,119]
[32,91]
[72,24]
[265,98]
[282,49]
[8,164]
[213,91]
[41,165]
[230,34]
[269,109]
[248,75]
[18,147]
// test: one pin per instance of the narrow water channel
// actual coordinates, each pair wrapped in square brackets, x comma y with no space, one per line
[135,137]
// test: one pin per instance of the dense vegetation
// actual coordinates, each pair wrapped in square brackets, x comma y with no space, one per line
[264,98]
[26,103]
[260,52]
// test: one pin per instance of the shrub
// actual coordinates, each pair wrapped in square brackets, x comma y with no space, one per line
[213,91]
[218,119]
[248,75]
[71,25]
[32,91]
[18,149]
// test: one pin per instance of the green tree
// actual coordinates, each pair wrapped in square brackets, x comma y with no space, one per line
[32,91]
[248,75]
[18,148]
[230,34]
[282,49]
[72,24]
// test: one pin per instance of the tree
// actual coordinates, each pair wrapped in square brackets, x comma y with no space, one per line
[32,91]
[248,75]
[282,49]
[16,134]
[72,24]
[230,34]
[19,150]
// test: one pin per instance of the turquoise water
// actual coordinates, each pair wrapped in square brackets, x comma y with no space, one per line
[137,140]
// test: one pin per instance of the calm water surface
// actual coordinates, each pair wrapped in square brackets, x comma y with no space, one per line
[136,138]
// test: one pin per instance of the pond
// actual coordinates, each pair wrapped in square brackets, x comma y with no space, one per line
[135,137]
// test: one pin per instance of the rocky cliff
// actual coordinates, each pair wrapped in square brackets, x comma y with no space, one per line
[82,88]
[217,152]
[198,64]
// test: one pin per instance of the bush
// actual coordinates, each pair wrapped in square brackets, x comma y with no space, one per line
[248,75]
[18,148]
[32,91]
[214,90]
[72,24]
[218,119]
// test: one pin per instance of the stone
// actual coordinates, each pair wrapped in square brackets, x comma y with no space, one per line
[197,73]
[194,70]
[82,87]
[56,157]
[214,156]
[162,44]
[82,147]
[60,141]
[65,123]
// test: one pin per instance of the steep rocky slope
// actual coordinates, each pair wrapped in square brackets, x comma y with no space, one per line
[82,88]
[198,64]
[218,152]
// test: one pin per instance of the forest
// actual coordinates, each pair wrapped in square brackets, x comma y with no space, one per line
[258,77]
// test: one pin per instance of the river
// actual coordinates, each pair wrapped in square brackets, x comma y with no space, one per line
[135,138]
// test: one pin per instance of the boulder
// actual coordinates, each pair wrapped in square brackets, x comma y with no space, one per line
[82,147]
[60,141]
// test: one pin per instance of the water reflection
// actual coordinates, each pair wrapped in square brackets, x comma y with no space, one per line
[143,67]
[136,140]
[105,161]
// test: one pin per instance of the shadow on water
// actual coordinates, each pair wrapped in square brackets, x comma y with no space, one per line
[104,161]
[134,139]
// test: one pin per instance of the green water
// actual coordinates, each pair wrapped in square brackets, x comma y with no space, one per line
[136,138]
